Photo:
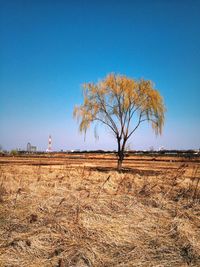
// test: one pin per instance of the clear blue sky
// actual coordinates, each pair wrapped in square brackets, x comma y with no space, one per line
[49,48]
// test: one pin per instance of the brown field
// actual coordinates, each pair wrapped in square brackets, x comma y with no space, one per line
[76,210]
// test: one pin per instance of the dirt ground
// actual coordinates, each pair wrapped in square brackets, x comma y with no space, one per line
[76,210]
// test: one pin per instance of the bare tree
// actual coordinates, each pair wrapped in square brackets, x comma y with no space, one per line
[121,104]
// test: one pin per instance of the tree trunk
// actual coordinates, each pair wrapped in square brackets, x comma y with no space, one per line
[119,164]
[120,159]
[120,153]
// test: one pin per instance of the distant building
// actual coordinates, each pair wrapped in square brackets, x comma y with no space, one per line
[74,150]
[151,148]
[31,148]
[49,149]
[28,147]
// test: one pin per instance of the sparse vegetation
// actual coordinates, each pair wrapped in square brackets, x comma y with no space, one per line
[64,215]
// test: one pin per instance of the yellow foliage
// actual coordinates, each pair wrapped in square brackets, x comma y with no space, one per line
[115,100]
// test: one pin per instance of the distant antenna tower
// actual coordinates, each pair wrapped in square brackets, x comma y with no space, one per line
[49,144]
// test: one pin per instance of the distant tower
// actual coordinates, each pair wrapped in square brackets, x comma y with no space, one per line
[49,144]
[29,147]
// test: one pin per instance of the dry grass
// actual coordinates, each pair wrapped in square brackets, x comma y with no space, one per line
[78,217]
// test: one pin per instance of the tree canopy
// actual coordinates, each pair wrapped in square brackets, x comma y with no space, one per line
[121,104]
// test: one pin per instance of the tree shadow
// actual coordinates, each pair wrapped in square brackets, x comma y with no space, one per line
[125,170]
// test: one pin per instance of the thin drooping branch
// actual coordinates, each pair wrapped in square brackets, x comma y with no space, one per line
[139,121]
[107,124]
[103,107]
[120,112]
[138,107]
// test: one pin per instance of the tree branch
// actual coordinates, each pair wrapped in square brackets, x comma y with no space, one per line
[139,121]
[98,119]
[107,114]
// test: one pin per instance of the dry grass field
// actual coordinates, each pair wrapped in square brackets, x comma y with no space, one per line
[78,211]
